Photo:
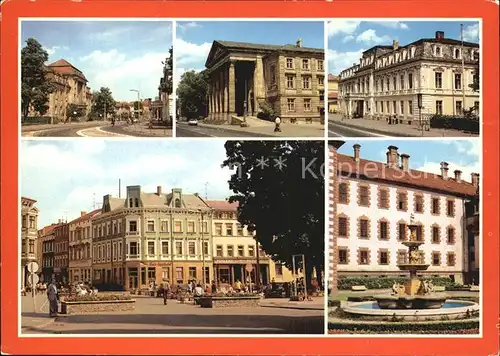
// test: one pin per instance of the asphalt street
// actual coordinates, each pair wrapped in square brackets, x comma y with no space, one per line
[184,130]
[339,130]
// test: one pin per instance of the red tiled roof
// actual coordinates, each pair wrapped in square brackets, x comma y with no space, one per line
[48,229]
[86,216]
[421,180]
[26,198]
[332,77]
[62,66]
[223,205]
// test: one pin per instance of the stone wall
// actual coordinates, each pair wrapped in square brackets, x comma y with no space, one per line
[91,307]
[235,302]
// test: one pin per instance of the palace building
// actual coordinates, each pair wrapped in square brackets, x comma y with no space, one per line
[29,236]
[244,76]
[412,82]
[373,203]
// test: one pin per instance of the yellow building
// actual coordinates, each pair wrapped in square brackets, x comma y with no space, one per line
[426,77]
[333,93]
[29,235]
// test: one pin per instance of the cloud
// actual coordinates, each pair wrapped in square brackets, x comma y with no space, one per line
[52,50]
[187,53]
[471,33]
[370,37]
[185,26]
[348,38]
[346,27]
[396,25]
[338,61]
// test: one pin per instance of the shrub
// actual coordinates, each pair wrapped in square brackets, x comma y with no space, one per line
[96,297]
[266,111]
[462,123]
[467,326]
[346,283]
[232,295]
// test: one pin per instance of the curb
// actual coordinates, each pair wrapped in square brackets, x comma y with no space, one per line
[377,131]
[296,307]
[252,134]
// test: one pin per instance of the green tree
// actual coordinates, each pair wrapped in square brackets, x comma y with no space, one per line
[35,86]
[166,85]
[476,78]
[74,111]
[280,189]
[102,103]
[192,92]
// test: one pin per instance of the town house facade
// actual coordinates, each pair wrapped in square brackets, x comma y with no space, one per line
[29,236]
[61,257]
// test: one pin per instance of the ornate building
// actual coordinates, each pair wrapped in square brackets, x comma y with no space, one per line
[376,201]
[60,252]
[47,237]
[29,235]
[426,77]
[244,75]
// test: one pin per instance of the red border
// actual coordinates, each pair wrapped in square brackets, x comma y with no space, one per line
[12,10]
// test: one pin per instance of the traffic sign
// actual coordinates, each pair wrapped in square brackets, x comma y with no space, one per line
[33,279]
[32,267]
[249,267]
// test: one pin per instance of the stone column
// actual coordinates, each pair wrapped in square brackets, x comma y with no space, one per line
[232,88]
[226,90]
[222,91]
[127,281]
[217,93]
[258,82]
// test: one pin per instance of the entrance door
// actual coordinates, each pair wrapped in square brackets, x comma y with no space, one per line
[359,108]
[133,282]
[224,275]
[244,82]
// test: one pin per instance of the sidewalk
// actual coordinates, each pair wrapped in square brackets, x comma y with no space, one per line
[287,130]
[317,303]
[403,130]
[39,127]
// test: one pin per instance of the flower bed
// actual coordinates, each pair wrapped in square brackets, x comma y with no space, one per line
[220,300]
[469,326]
[346,283]
[97,303]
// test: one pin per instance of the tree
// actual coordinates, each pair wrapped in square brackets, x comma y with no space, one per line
[475,86]
[74,111]
[35,86]
[192,92]
[103,103]
[279,186]
[166,84]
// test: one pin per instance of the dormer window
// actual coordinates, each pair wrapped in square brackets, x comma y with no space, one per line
[457,53]
[131,203]
[177,203]
[438,51]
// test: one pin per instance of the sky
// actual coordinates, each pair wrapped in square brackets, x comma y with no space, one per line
[194,39]
[92,167]
[121,55]
[461,154]
[348,39]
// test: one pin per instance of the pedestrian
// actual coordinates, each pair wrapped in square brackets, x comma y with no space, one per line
[166,290]
[277,123]
[52,297]
[214,287]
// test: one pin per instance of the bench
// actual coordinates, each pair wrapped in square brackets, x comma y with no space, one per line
[358,288]
[439,289]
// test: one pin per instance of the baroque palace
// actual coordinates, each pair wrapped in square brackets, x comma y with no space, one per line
[426,77]
[371,204]
[162,237]
[290,78]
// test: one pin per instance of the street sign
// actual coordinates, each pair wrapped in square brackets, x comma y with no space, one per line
[249,267]
[32,267]
[33,279]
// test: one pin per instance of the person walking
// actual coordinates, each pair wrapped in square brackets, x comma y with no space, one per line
[166,291]
[52,297]
[277,123]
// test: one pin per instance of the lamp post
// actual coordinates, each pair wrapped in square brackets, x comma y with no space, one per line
[420,106]
[138,101]
[347,104]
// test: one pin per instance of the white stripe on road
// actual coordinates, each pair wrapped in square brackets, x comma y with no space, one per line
[82,133]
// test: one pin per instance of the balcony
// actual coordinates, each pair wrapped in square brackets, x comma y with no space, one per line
[132,233]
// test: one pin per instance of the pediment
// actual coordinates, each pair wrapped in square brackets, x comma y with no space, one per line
[216,52]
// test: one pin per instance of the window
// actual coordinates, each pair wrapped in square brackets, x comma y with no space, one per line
[191,248]
[241,251]
[382,106]
[363,257]
[23,247]
[320,65]
[151,247]
[136,202]
[251,251]
[402,107]
[458,81]
[32,222]
[383,231]
[450,208]
[306,82]
[394,107]
[343,226]
[218,250]
[177,203]
[132,226]
[458,107]
[363,228]
[23,220]
[436,258]
[384,198]
[435,205]
[151,225]
[239,229]
[205,248]
[229,229]
[457,53]
[164,248]
[438,51]
[190,227]
[307,104]
[165,273]
[272,76]
[179,275]
[218,229]
[364,196]
[290,81]
[384,258]
[451,259]
[394,83]
[178,226]
[278,269]
[305,64]
[342,256]
[438,80]
[164,226]
[402,200]
[289,63]
[321,81]
[451,235]
[291,104]
[402,232]
[402,81]
[476,106]
[178,247]
[133,248]
[343,198]
[435,235]
[31,246]
[410,81]
[230,251]
[192,273]
[419,204]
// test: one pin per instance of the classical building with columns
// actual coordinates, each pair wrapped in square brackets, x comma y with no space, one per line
[29,235]
[244,75]
[373,204]
[423,78]
[145,237]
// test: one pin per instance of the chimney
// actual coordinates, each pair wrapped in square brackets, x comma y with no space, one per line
[405,164]
[444,170]
[299,42]
[356,152]
[392,157]
[458,175]
[439,35]
[475,179]
[395,44]
[158,190]
[83,213]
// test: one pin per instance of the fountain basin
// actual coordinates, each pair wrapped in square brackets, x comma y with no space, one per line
[413,267]
[451,309]
[434,301]
[412,243]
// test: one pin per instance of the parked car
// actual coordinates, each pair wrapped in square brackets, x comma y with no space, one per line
[193,122]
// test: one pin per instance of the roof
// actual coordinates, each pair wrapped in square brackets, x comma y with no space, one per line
[48,229]
[449,41]
[223,205]
[87,216]
[29,199]
[62,66]
[333,77]
[421,180]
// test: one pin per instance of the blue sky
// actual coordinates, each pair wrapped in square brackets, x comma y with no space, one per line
[194,39]
[347,39]
[122,55]
[426,156]
[94,166]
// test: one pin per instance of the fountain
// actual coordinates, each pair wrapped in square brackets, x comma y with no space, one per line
[415,293]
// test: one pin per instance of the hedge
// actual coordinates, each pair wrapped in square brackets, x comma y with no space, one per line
[96,297]
[455,123]
[35,120]
[430,327]
[346,283]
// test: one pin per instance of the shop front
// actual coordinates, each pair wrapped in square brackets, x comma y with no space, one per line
[227,272]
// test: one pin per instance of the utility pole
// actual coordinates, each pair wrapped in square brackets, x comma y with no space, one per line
[203,248]
[463,65]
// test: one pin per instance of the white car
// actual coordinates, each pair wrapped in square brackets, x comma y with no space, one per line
[193,122]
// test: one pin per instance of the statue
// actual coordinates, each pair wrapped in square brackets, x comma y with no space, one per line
[415,257]
[398,289]
[426,287]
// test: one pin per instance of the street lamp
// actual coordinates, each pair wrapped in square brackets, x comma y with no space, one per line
[347,103]
[138,100]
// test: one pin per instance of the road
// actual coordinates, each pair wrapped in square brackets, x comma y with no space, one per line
[75,130]
[184,130]
[339,130]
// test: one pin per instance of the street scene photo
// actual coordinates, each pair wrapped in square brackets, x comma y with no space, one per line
[406,79]
[405,240]
[250,79]
[216,239]
[96,78]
